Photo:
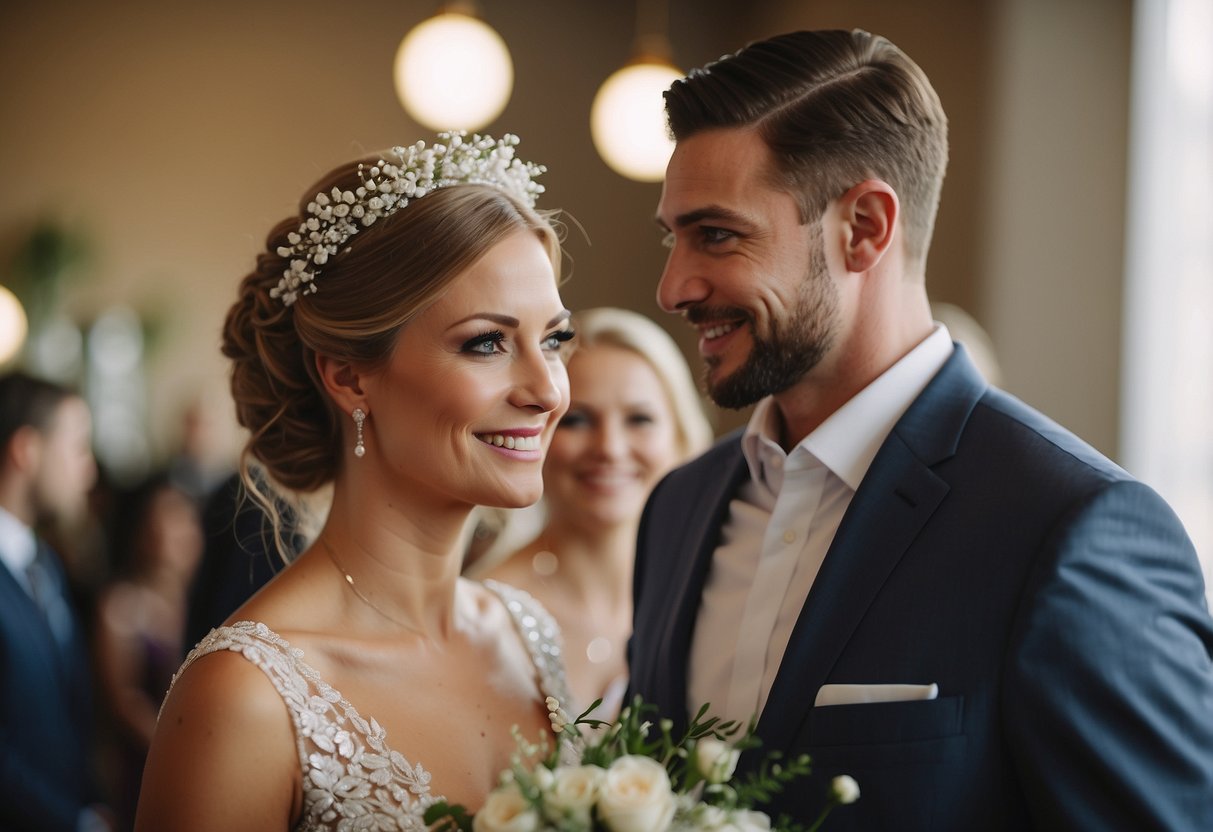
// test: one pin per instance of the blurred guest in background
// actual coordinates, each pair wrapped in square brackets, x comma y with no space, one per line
[141,616]
[46,471]
[635,414]
[239,557]
[199,465]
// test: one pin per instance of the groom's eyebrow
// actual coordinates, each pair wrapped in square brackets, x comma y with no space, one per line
[708,212]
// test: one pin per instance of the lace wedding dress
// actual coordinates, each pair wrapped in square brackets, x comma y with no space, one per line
[351,778]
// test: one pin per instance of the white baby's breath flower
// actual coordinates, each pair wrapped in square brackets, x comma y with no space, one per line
[635,796]
[506,810]
[844,789]
[335,217]
[716,760]
[558,716]
[573,792]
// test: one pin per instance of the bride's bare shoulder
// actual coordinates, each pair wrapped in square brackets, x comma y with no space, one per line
[223,755]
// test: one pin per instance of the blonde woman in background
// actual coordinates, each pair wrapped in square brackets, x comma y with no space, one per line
[635,414]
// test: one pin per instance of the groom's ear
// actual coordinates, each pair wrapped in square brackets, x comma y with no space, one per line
[869,212]
[342,381]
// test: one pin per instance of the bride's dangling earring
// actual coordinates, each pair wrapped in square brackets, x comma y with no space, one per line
[359,417]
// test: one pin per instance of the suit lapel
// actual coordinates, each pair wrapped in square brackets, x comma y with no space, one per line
[883,519]
[897,497]
[687,589]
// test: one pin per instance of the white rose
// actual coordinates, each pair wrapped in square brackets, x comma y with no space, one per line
[573,792]
[707,818]
[711,817]
[745,820]
[845,789]
[543,777]
[716,760]
[635,796]
[506,810]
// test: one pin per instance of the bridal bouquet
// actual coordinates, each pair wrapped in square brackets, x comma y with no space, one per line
[634,776]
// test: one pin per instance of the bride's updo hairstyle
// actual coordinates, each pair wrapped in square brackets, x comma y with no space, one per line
[359,299]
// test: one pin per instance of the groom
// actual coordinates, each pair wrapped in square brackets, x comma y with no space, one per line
[904,572]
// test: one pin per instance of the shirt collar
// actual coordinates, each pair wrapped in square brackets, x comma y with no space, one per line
[849,439]
[17,543]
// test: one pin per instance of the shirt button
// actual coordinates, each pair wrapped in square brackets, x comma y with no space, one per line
[776,462]
[789,536]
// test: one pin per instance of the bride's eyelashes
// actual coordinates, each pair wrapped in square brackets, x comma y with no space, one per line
[486,343]
[493,341]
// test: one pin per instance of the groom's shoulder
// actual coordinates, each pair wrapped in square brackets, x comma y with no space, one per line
[688,481]
[1039,439]
[723,455]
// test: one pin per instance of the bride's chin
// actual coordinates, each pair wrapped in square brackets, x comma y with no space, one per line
[517,498]
[526,502]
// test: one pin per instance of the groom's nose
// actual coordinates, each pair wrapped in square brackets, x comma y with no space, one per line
[681,285]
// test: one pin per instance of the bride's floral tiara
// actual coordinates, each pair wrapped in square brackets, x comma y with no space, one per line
[408,173]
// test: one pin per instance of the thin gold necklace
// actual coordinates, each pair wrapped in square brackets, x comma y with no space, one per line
[349,579]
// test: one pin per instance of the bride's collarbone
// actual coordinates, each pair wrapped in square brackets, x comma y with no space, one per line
[447,705]
[348,651]
[409,685]
[453,717]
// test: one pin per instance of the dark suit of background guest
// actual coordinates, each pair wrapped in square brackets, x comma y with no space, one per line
[238,559]
[45,712]
[46,753]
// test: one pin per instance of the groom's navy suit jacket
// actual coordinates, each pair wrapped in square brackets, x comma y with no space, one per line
[45,715]
[1057,603]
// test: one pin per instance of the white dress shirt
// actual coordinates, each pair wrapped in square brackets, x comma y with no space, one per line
[779,528]
[18,547]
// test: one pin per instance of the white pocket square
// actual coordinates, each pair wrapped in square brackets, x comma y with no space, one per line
[859,694]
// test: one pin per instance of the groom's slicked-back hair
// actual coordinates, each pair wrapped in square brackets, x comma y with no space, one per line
[835,108]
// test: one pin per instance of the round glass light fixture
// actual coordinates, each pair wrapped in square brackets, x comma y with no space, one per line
[453,72]
[627,120]
[13,326]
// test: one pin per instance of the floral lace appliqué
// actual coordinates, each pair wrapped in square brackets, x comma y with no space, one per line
[352,780]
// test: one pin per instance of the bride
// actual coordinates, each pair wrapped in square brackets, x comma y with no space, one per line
[400,344]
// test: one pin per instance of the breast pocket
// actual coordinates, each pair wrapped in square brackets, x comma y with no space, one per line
[887,733]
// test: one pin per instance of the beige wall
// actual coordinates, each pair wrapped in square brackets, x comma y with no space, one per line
[1053,260]
[177,134]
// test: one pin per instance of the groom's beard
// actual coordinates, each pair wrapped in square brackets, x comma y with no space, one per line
[795,346]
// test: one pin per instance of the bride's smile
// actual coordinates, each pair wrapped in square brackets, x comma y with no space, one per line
[513,440]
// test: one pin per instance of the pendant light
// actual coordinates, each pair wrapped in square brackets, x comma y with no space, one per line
[453,71]
[627,119]
[13,326]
